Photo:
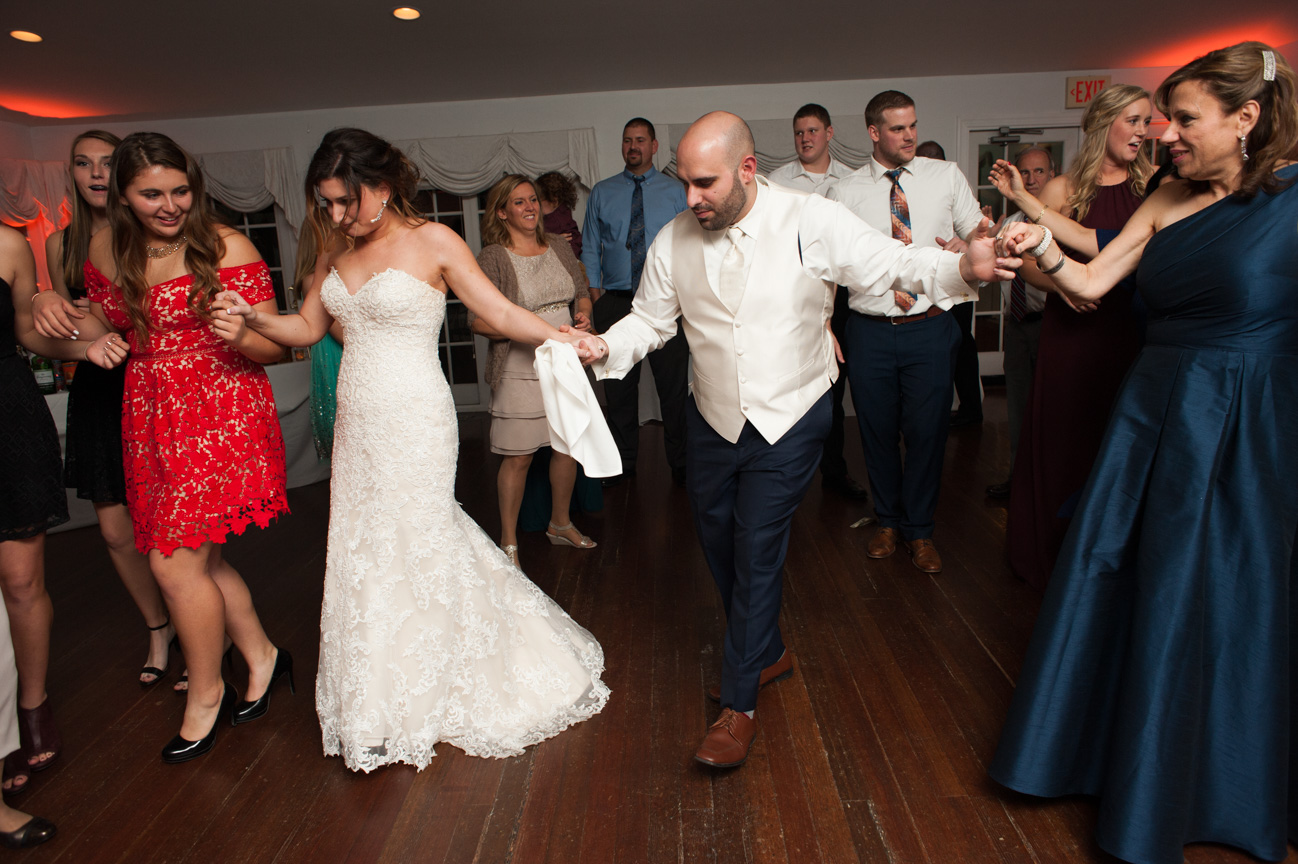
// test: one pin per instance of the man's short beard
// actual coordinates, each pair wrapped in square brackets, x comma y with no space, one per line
[728,210]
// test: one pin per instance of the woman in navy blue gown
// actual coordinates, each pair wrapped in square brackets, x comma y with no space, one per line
[1161,676]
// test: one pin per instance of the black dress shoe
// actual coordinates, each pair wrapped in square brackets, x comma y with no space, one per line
[246,712]
[958,420]
[999,491]
[182,749]
[844,485]
[33,833]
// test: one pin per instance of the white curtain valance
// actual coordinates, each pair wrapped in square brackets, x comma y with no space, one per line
[466,166]
[774,145]
[252,180]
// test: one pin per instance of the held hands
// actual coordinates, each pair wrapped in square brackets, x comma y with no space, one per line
[107,351]
[57,319]
[985,260]
[232,316]
[1018,238]
[589,346]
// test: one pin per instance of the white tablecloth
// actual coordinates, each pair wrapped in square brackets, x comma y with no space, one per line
[291,383]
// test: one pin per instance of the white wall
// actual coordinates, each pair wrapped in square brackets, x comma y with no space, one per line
[941,101]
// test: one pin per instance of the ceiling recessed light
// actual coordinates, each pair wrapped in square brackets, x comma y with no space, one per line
[25,36]
[405,13]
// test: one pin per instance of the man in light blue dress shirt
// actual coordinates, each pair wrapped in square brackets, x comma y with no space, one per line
[612,256]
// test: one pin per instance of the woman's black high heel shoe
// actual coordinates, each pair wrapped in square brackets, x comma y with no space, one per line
[159,674]
[246,712]
[182,749]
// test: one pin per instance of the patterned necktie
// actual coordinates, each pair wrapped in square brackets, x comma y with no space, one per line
[730,285]
[635,236]
[1018,298]
[900,229]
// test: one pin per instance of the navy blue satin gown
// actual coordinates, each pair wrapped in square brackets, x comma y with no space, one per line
[1161,675]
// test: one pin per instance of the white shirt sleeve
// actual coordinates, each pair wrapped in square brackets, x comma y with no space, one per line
[652,320]
[840,247]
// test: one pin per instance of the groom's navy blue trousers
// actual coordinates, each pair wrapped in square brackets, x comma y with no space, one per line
[744,496]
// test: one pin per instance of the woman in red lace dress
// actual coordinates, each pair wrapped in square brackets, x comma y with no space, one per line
[204,457]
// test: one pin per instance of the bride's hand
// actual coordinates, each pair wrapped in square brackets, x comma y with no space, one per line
[228,304]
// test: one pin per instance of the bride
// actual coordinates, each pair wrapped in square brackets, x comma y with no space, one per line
[427,633]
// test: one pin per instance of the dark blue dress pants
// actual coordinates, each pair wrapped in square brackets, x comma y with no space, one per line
[900,375]
[744,496]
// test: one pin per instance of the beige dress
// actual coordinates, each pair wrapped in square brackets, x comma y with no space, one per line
[518,424]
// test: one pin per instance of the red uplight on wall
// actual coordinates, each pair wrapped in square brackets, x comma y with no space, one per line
[54,108]
[1185,50]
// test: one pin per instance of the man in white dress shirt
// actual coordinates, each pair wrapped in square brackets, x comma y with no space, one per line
[816,171]
[901,348]
[751,271]
[1022,305]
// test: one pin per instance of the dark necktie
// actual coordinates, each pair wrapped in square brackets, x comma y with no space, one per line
[1018,298]
[900,211]
[635,236]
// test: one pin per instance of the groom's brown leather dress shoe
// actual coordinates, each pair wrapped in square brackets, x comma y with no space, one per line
[883,543]
[777,671]
[727,742]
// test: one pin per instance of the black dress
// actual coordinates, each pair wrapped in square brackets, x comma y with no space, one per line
[92,463]
[31,496]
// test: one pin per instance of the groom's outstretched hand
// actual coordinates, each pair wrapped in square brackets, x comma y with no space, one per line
[589,347]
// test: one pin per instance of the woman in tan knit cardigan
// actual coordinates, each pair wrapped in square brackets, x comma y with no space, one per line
[547,279]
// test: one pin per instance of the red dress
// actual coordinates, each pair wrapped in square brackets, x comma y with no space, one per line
[201,441]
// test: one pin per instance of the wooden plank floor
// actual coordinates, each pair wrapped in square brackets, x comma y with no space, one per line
[874,751]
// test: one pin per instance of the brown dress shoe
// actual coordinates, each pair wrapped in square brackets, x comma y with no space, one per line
[777,671]
[924,555]
[727,742]
[883,543]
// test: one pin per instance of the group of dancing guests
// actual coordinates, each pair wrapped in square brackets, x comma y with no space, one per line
[1160,676]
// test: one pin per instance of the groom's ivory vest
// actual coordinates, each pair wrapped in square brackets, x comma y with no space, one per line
[769,361]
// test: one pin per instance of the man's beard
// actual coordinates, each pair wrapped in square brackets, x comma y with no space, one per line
[727,211]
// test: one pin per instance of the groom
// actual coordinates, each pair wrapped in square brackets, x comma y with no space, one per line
[752,269]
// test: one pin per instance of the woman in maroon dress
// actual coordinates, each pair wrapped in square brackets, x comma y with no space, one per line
[204,457]
[1084,354]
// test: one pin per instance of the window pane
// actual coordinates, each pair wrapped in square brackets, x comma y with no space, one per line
[264,216]
[455,223]
[424,201]
[457,323]
[267,242]
[464,366]
[277,279]
[224,213]
[445,362]
[447,203]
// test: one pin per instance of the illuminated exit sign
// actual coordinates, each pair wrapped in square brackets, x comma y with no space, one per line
[1082,89]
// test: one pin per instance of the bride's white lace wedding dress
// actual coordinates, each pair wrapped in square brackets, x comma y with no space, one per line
[427,633]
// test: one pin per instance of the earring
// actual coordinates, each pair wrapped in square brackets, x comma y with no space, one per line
[385,206]
[1243,147]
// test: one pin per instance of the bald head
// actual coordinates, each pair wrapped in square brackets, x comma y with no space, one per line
[719,133]
[715,161]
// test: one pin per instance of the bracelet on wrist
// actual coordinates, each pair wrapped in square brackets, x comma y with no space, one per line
[1036,220]
[1056,267]
[1040,249]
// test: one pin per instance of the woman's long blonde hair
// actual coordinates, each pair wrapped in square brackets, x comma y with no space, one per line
[76,237]
[1085,170]
[204,248]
